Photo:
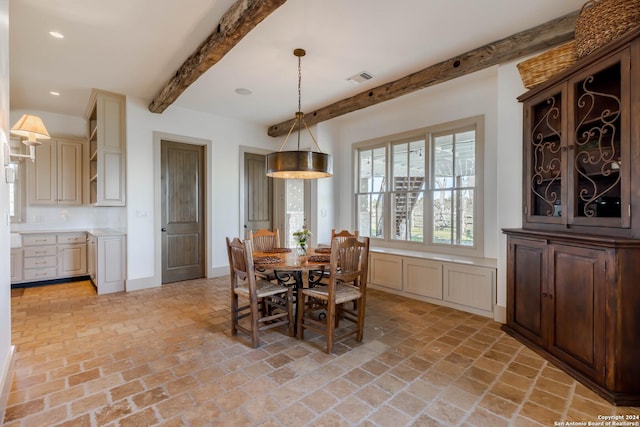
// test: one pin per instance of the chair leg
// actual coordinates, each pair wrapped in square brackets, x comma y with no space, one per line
[290,312]
[331,325]
[255,323]
[360,306]
[234,313]
[300,314]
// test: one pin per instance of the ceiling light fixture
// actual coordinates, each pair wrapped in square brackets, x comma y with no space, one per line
[299,164]
[54,93]
[56,34]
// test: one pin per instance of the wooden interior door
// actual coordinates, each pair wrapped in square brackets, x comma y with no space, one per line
[258,203]
[182,180]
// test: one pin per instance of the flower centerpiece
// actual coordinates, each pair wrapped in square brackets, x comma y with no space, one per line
[302,239]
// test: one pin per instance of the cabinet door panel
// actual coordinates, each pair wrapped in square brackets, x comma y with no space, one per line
[69,172]
[423,277]
[72,260]
[42,175]
[545,157]
[17,265]
[577,301]
[385,270]
[468,285]
[525,278]
[598,175]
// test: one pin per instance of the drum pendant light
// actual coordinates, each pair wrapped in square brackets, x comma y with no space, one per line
[299,164]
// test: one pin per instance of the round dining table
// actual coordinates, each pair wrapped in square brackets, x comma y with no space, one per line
[291,267]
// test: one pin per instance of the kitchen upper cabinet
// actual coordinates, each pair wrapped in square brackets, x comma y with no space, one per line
[55,178]
[105,159]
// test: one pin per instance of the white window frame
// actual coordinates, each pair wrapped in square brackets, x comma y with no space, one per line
[386,241]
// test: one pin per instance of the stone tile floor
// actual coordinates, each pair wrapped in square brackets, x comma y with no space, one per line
[164,357]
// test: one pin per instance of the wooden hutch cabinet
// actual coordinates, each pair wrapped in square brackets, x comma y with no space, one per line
[573,270]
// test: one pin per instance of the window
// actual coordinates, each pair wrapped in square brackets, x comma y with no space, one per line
[420,189]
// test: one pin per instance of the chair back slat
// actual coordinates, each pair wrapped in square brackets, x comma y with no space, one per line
[264,239]
[349,259]
[343,235]
[241,262]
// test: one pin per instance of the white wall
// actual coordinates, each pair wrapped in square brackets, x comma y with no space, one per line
[225,136]
[5,288]
[509,160]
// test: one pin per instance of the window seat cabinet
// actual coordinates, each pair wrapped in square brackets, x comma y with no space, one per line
[467,286]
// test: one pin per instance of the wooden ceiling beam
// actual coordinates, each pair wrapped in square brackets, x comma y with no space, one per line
[242,17]
[516,46]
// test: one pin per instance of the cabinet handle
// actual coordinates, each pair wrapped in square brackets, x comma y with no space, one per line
[544,295]
[550,296]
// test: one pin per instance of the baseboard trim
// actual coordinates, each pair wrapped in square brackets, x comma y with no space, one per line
[5,382]
[500,313]
[143,283]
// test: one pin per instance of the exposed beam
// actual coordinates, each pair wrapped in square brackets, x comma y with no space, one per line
[236,23]
[524,43]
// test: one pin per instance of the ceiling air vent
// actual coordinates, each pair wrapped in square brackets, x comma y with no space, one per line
[360,78]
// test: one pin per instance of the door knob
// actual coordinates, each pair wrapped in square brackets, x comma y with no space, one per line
[163,229]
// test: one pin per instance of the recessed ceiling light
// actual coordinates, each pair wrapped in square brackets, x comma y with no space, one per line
[54,93]
[56,34]
[243,91]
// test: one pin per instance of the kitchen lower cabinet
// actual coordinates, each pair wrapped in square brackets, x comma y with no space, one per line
[17,258]
[49,256]
[72,260]
[40,257]
[107,261]
[574,298]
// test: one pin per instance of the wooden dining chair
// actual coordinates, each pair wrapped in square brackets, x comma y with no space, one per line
[344,234]
[341,236]
[268,305]
[347,283]
[264,239]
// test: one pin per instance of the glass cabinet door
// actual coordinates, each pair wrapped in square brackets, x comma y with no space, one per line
[545,158]
[598,178]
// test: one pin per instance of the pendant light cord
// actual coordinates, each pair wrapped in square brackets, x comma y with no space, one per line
[299,115]
[299,98]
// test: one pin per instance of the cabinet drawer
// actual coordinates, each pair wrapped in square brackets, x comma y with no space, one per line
[39,274]
[38,239]
[39,251]
[67,238]
[41,262]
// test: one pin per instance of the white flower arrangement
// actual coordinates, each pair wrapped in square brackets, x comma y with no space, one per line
[302,237]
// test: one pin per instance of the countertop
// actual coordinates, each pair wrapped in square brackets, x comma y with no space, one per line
[16,236]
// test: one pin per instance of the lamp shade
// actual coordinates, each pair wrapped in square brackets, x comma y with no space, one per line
[30,127]
[299,165]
